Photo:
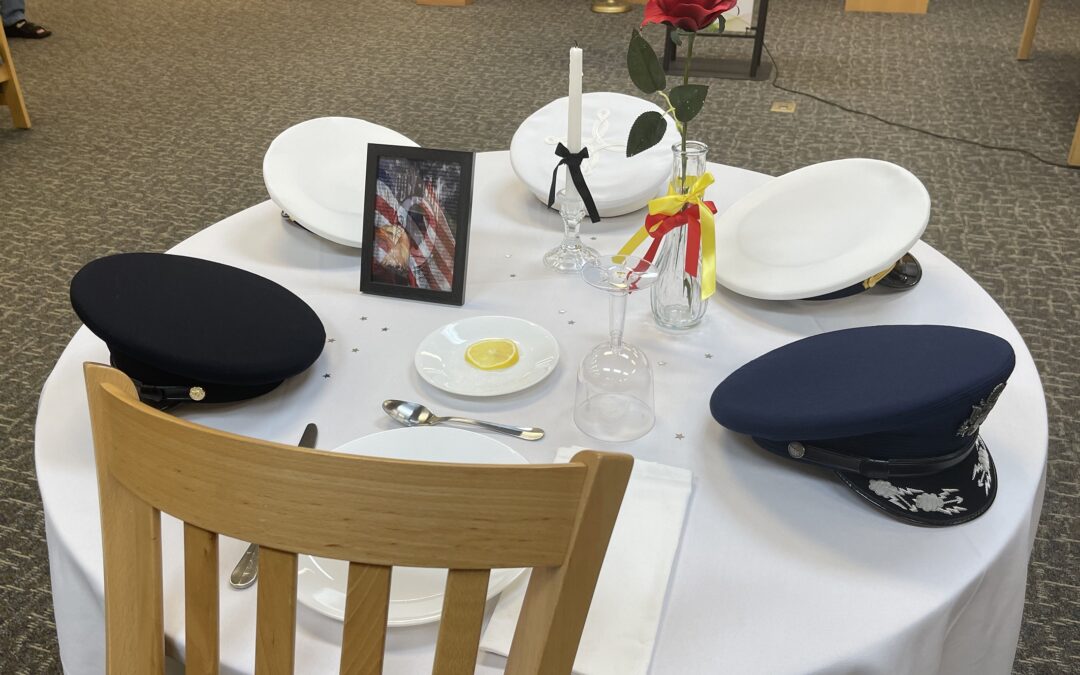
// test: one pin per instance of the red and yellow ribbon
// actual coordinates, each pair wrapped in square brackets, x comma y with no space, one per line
[675,210]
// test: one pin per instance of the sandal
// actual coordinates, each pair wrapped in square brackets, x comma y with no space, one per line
[25,29]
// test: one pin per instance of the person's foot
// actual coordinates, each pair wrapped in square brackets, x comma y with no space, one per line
[25,29]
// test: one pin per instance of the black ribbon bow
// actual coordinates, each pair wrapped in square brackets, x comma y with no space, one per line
[573,160]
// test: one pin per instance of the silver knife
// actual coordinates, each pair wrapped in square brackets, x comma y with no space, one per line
[247,569]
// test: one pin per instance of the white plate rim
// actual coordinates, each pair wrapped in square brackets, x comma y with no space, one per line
[727,222]
[323,217]
[495,587]
[509,388]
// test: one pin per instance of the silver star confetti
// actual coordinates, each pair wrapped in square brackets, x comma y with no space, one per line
[679,437]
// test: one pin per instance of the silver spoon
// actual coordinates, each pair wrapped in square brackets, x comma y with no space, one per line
[247,568]
[416,415]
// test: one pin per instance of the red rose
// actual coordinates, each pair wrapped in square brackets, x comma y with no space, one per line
[688,15]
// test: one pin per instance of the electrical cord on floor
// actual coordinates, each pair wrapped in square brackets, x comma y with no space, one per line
[988,146]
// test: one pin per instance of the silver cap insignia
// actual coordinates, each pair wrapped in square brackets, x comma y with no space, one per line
[979,412]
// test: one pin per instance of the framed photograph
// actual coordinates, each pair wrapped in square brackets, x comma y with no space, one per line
[416,223]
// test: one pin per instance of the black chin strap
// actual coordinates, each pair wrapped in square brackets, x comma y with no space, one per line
[166,396]
[878,468]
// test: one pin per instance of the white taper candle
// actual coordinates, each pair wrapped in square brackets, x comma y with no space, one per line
[573,120]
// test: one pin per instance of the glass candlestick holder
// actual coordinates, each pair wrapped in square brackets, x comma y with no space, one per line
[571,255]
[614,399]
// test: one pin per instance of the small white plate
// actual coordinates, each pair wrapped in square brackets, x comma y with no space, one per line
[416,593]
[819,229]
[315,171]
[440,358]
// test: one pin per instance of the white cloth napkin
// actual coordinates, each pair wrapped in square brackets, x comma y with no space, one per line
[629,598]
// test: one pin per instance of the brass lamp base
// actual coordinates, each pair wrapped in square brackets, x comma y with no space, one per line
[610,6]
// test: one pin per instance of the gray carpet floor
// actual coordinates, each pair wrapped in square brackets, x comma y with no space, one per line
[151,119]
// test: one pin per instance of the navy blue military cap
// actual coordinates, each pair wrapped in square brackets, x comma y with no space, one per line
[187,329]
[894,410]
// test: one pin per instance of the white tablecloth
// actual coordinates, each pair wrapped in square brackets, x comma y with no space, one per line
[781,568]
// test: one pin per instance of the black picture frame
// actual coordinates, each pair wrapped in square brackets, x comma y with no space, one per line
[416,223]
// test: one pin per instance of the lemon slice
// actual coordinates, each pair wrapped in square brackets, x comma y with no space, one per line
[492,354]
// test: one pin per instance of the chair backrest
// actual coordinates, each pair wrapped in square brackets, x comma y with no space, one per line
[375,513]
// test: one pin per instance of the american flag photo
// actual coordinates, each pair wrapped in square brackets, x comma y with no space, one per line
[415,230]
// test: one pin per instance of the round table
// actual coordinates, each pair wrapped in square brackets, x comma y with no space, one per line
[781,569]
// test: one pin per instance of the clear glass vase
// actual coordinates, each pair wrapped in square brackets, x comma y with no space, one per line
[676,295]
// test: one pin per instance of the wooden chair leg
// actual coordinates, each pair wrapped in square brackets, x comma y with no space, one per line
[1028,36]
[1074,152]
[13,99]
[10,93]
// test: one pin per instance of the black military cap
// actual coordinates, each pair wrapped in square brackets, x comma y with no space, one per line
[187,329]
[894,410]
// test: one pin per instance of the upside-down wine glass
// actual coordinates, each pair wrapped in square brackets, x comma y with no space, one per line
[614,400]
[571,255]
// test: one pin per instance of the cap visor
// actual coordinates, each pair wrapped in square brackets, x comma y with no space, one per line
[954,496]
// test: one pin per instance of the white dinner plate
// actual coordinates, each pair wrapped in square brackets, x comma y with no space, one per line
[440,358]
[819,229]
[416,593]
[619,184]
[315,171]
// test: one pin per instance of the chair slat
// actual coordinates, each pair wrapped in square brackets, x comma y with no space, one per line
[275,627]
[201,599]
[136,634]
[363,637]
[462,618]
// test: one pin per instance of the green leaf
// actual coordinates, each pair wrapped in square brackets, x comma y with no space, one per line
[647,131]
[676,37]
[643,65]
[688,100]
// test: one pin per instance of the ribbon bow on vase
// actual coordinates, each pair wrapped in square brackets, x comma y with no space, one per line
[675,210]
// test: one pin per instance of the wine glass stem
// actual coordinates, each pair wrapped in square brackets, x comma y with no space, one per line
[617,318]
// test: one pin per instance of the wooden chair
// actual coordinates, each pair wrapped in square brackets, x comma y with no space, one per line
[1027,39]
[375,513]
[10,93]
